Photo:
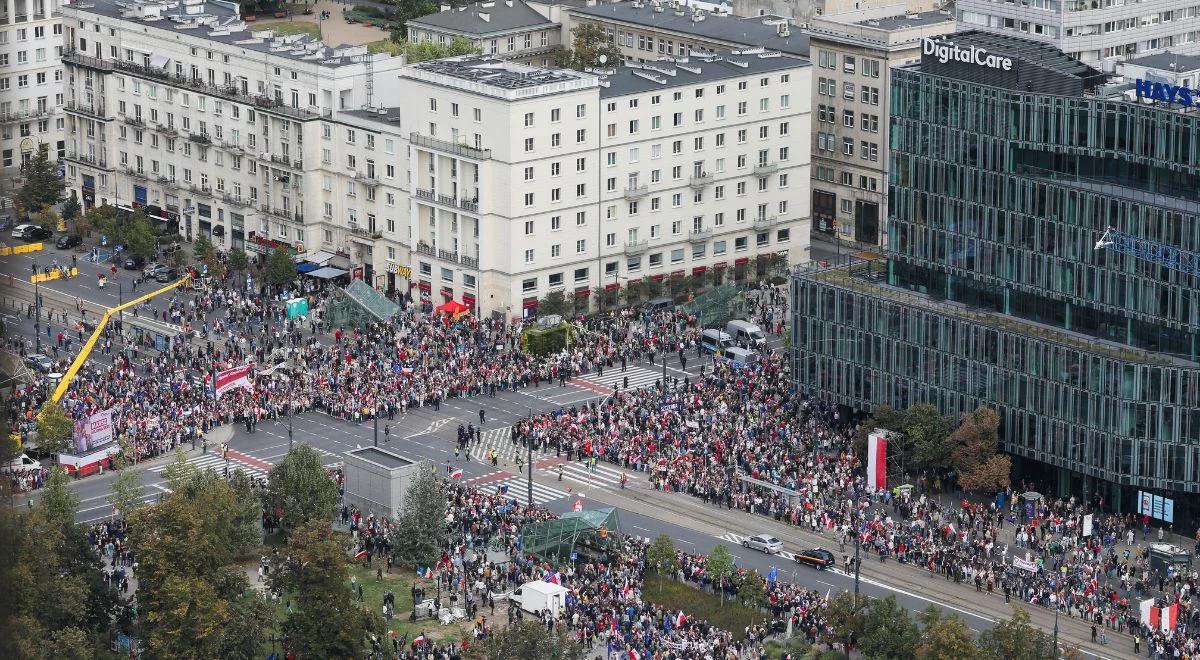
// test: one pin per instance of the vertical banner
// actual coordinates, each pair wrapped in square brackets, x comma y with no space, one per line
[93,432]
[877,460]
[1087,525]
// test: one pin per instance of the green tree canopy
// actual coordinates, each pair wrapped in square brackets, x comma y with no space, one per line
[299,489]
[421,527]
[127,492]
[102,219]
[589,43]
[281,268]
[41,186]
[719,567]
[422,50]
[1016,638]
[661,557]
[944,637]
[528,640]
[889,631]
[847,615]
[138,234]
[238,261]
[55,429]
[975,452]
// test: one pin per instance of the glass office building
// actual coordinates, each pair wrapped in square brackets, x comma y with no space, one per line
[1002,180]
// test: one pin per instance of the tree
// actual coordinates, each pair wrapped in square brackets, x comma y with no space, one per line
[889,631]
[127,492]
[250,618]
[752,591]
[554,302]
[138,235]
[528,640]
[1016,639]
[975,452]
[238,261]
[421,527]
[179,471]
[72,643]
[944,638]
[58,503]
[71,209]
[102,219]
[720,567]
[245,516]
[661,556]
[327,622]
[47,218]
[202,248]
[422,50]
[927,431]
[589,44]
[847,615]
[42,186]
[55,429]
[300,491]
[281,269]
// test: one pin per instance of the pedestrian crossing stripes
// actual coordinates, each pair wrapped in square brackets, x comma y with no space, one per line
[217,464]
[519,488]
[738,539]
[602,476]
[612,379]
[500,441]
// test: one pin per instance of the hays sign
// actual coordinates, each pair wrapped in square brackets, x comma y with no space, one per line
[944,52]
[1166,93]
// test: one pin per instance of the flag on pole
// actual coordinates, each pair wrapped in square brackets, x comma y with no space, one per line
[235,378]
[361,554]
[456,474]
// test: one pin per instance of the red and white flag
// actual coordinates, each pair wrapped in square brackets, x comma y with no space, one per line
[230,379]
[578,506]
[456,474]
[361,554]
[877,460]
[1162,618]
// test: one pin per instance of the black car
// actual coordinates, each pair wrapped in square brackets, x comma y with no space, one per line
[135,262]
[36,233]
[818,558]
[166,274]
[68,241]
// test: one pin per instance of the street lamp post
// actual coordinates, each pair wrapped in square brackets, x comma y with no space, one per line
[529,468]
[37,316]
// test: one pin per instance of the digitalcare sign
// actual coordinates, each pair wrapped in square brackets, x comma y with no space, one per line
[945,52]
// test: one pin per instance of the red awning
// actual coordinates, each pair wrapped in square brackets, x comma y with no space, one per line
[720,264]
[529,303]
[656,278]
[699,270]
[742,260]
[426,287]
[452,307]
[610,287]
[468,300]
[679,273]
[583,292]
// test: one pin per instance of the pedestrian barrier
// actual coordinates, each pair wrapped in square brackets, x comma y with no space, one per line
[54,274]
[20,249]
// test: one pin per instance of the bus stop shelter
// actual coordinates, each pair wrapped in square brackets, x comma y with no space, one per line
[574,535]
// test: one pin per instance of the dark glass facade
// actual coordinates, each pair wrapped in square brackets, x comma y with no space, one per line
[993,292]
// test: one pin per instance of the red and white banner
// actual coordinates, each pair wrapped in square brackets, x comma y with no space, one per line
[1163,618]
[230,379]
[877,460]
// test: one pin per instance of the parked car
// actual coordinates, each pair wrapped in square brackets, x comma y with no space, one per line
[658,304]
[166,274]
[135,262]
[23,464]
[39,362]
[67,241]
[31,233]
[818,558]
[764,543]
[152,269]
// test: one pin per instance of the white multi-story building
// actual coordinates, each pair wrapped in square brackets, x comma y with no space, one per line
[510,29]
[526,181]
[852,93]
[31,89]
[1091,31]
[179,108]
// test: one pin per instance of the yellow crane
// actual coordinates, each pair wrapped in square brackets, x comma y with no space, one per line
[87,347]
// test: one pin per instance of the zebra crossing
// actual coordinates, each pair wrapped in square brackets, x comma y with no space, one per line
[516,487]
[603,476]
[638,377]
[739,539]
[217,464]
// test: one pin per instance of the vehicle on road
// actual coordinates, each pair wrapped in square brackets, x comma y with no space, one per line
[818,558]
[764,543]
[658,304]
[135,262]
[152,269]
[739,355]
[22,464]
[39,362]
[31,233]
[166,274]
[67,241]
[746,333]
[715,341]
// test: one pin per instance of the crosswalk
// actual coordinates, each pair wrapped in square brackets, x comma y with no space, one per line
[515,486]
[739,539]
[638,377]
[602,476]
[213,461]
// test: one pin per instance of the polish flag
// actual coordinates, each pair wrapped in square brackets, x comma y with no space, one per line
[456,474]
[578,506]
[230,379]
[877,460]
[1162,618]
[362,554]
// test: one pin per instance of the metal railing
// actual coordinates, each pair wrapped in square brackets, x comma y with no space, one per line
[635,247]
[765,168]
[95,111]
[22,115]
[633,192]
[449,147]
[765,221]
[699,235]
[89,160]
[700,181]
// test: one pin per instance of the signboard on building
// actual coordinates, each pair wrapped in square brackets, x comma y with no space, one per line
[946,51]
[1156,506]
[93,432]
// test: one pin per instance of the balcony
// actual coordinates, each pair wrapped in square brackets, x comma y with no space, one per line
[368,181]
[22,115]
[204,191]
[447,255]
[95,111]
[763,169]
[636,192]
[635,247]
[135,122]
[765,221]
[166,130]
[446,146]
[279,213]
[200,138]
[701,180]
[91,161]
[364,232]
[450,201]
[699,235]
[72,56]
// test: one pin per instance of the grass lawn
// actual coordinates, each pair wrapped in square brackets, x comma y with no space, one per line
[400,582]
[730,616]
[292,27]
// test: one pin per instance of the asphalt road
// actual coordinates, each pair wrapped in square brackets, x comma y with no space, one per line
[429,435]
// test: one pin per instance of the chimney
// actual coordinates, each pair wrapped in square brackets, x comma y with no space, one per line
[486,17]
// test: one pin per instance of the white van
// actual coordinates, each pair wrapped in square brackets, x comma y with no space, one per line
[715,341]
[745,332]
[23,464]
[539,595]
[741,355]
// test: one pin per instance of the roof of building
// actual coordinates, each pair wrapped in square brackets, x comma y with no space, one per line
[1168,61]
[760,31]
[492,76]
[1033,52]
[633,78]
[905,21]
[483,18]
[219,21]
[389,117]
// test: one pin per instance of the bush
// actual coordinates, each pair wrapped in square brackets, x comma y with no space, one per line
[547,341]
[730,616]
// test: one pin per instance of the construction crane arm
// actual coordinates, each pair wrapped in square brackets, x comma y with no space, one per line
[1154,252]
[86,349]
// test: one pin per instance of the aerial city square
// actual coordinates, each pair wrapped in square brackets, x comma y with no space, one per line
[594,330]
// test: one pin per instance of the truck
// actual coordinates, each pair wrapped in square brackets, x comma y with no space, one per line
[539,595]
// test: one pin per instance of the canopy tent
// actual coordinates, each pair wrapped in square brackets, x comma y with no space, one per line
[306,268]
[580,533]
[328,273]
[359,304]
[320,257]
[452,307]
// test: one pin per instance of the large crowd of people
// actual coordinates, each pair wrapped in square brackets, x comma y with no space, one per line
[734,436]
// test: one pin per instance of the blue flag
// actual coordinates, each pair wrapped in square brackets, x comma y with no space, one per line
[773,574]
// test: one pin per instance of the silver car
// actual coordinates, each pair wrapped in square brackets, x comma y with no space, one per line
[764,543]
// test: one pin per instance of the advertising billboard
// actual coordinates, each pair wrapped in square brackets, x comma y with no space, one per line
[93,432]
